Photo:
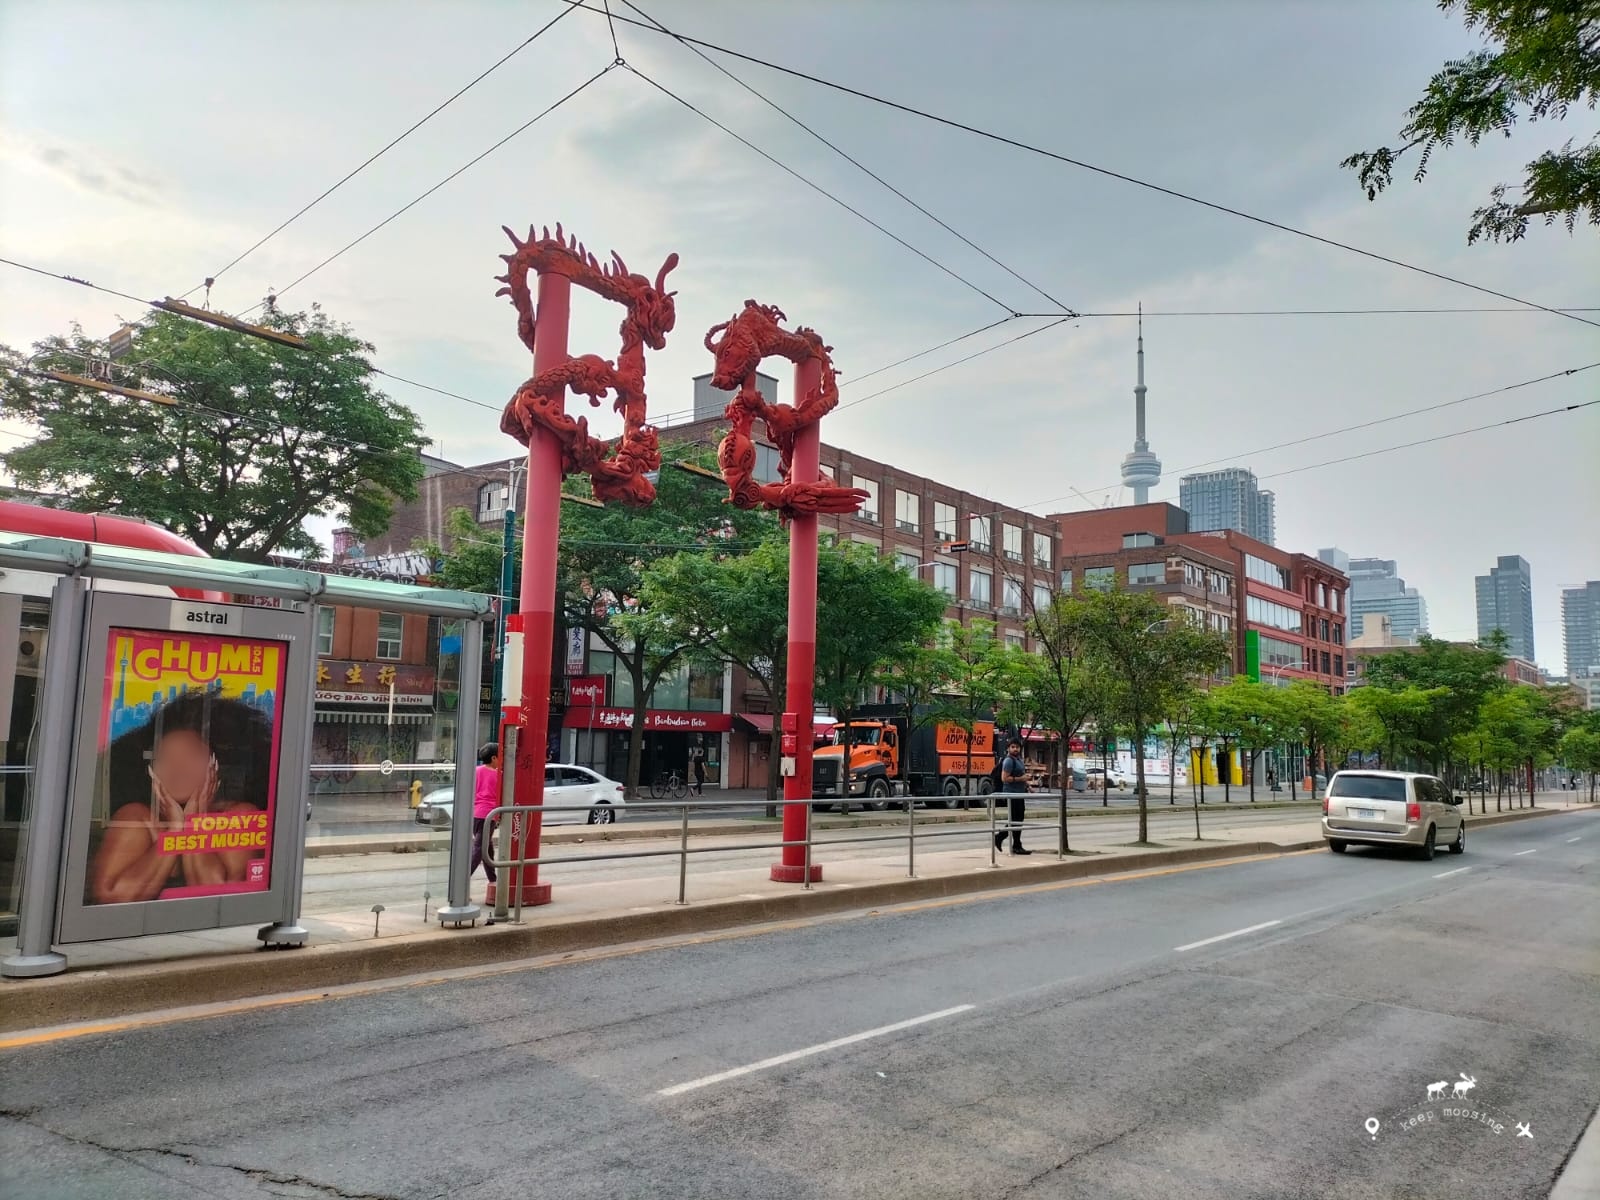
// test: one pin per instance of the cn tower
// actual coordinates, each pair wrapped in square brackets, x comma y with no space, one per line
[1141,470]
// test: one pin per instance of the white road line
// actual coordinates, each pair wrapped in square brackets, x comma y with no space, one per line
[1520,853]
[1222,937]
[1447,874]
[1571,840]
[678,1089]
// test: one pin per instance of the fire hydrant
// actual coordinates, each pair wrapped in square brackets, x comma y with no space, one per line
[416,793]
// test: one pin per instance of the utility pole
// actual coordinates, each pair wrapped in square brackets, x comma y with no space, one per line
[508,562]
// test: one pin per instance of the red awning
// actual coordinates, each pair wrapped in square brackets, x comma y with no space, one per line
[759,722]
[1034,734]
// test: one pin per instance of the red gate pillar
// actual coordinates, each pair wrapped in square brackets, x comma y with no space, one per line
[540,535]
[802,637]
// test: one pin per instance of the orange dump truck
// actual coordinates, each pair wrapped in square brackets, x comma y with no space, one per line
[884,761]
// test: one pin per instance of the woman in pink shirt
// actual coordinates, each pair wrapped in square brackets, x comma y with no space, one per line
[485,799]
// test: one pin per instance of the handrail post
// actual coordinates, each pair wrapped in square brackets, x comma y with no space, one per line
[911,836]
[683,854]
[806,884]
[994,846]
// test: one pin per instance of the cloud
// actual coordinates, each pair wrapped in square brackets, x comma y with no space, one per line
[83,170]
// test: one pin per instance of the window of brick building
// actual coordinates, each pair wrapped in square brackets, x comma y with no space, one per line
[391,633]
[980,587]
[907,511]
[1012,534]
[869,506]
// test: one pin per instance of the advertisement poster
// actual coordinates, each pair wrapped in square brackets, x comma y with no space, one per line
[187,778]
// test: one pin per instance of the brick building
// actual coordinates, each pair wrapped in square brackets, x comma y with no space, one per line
[1287,608]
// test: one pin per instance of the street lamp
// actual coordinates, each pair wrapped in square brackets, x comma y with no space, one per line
[1155,625]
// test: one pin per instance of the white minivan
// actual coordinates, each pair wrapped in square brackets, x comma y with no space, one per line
[1390,808]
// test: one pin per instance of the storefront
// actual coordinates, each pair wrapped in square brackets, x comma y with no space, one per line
[686,715]
[367,713]
[600,738]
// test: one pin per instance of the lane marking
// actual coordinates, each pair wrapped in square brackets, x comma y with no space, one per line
[678,1089]
[1571,840]
[1222,937]
[174,1016]
[1447,874]
[1520,853]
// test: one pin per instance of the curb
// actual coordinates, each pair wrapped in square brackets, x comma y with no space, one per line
[99,994]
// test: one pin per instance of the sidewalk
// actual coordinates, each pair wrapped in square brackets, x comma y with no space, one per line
[598,904]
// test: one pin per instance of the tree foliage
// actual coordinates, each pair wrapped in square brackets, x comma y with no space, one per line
[1457,678]
[1254,713]
[1150,655]
[258,438]
[870,613]
[1543,59]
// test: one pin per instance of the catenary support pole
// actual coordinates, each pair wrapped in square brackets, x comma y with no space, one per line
[540,536]
[795,866]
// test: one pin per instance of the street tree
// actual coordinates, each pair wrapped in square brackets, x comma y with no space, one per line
[1066,681]
[1255,714]
[870,614]
[732,608]
[1458,678]
[1314,718]
[1580,751]
[258,437]
[1399,716]
[1149,656]
[1185,719]
[1224,720]
[977,668]
[1541,62]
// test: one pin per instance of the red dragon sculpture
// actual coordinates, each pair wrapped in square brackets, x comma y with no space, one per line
[651,316]
[747,338]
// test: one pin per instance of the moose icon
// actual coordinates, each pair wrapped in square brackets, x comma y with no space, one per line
[1463,1085]
[1436,1090]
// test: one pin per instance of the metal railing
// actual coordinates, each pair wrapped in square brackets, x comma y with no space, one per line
[998,829]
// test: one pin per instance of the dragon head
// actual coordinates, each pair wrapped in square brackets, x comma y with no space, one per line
[651,307]
[740,348]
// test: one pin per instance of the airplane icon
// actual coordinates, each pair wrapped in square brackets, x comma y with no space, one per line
[1524,1129]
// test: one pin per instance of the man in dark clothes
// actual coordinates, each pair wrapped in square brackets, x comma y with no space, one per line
[1014,783]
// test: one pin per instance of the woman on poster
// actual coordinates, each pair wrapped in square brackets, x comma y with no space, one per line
[150,846]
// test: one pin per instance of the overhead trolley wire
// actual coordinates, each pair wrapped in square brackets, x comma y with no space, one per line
[318,199]
[1018,144]
[453,174]
[860,166]
[820,190]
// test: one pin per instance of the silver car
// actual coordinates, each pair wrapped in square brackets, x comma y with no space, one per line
[1392,808]
[564,784]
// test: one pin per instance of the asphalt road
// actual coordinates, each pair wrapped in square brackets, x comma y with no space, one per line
[1231,1031]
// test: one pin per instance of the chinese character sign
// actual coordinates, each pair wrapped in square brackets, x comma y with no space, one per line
[186,785]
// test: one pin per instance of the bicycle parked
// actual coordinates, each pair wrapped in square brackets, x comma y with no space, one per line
[669,783]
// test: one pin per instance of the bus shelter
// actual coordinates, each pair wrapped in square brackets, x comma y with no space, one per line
[167,782]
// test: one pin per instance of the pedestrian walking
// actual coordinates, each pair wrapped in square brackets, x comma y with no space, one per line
[485,799]
[1014,783]
[699,754]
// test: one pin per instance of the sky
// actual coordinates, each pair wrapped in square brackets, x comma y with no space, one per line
[144,147]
